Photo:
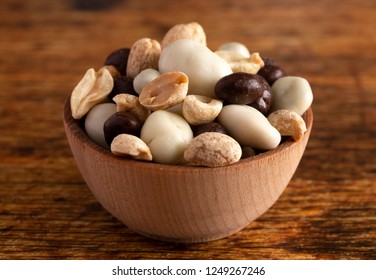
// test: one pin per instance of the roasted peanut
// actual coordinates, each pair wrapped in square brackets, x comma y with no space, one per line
[199,109]
[130,145]
[93,89]
[144,54]
[164,91]
[130,103]
[239,63]
[212,149]
[192,31]
[288,123]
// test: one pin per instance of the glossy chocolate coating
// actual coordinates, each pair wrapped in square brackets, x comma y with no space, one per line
[119,59]
[271,70]
[119,123]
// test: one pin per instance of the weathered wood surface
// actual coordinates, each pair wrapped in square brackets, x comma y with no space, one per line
[328,211]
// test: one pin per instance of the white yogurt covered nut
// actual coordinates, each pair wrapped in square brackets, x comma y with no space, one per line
[130,145]
[144,54]
[199,109]
[93,89]
[165,91]
[95,120]
[291,93]
[143,78]
[203,67]
[192,31]
[249,127]
[167,135]
[213,149]
[288,123]
[129,103]
[235,47]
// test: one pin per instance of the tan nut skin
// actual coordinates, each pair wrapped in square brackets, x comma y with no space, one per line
[144,54]
[240,63]
[129,103]
[212,149]
[165,91]
[192,31]
[130,145]
[93,89]
[288,123]
[199,109]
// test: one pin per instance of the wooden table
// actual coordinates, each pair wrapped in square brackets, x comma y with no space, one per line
[328,210]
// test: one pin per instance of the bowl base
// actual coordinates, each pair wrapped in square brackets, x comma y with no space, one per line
[200,239]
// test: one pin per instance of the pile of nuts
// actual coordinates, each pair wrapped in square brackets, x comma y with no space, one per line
[178,102]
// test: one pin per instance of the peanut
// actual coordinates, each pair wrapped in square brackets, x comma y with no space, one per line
[144,54]
[130,103]
[130,145]
[164,91]
[192,31]
[288,123]
[213,149]
[199,109]
[93,89]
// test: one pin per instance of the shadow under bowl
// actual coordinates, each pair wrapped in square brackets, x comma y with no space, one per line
[183,203]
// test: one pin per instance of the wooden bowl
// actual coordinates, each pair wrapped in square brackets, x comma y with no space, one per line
[181,203]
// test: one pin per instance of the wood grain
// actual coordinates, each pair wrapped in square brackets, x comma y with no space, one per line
[328,210]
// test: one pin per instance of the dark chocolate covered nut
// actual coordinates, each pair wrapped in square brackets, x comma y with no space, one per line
[263,103]
[209,127]
[119,59]
[248,152]
[123,84]
[245,88]
[121,123]
[271,71]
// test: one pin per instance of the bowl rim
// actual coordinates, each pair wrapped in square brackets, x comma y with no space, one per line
[77,132]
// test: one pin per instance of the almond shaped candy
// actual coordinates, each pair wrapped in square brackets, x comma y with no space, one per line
[203,67]
[249,127]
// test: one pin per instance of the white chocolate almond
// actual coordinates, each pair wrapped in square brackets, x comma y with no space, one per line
[203,67]
[249,127]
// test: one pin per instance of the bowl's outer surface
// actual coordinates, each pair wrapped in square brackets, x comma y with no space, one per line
[180,203]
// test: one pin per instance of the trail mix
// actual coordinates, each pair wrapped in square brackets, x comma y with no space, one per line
[178,102]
